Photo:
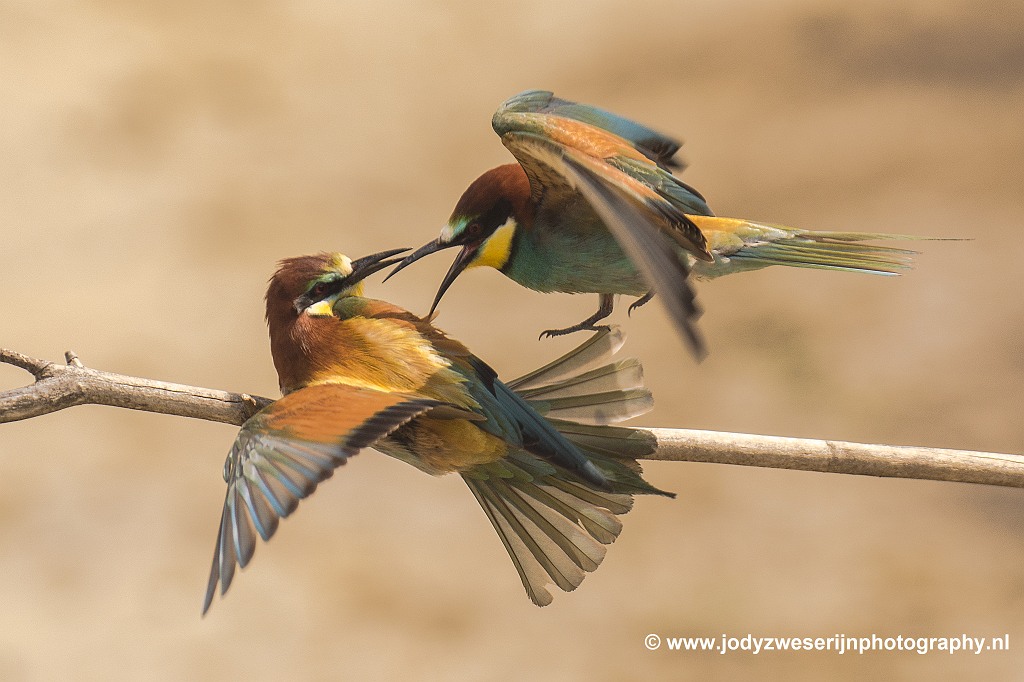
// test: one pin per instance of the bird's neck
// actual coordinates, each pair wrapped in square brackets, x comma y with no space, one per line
[293,346]
[362,346]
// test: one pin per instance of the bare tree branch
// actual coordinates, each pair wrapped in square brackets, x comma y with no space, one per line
[838,457]
[59,386]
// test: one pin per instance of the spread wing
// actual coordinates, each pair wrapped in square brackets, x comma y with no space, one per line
[654,145]
[634,154]
[285,450]
[639,218]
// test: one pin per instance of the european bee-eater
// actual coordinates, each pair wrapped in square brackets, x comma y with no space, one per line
[592,207]
[357,372]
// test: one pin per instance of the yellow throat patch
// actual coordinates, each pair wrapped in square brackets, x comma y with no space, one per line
[497,248]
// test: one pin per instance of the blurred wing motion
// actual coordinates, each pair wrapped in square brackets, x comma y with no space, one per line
[648,227]
[555,528]
[285,450]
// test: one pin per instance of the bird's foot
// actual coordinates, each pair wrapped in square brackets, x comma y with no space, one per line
[639,302]
[581,327]
[589,324]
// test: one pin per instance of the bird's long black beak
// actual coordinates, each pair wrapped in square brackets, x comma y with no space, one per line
[367,265]
[460,264]
[425,250]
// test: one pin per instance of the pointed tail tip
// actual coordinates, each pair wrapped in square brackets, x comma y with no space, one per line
[211,590]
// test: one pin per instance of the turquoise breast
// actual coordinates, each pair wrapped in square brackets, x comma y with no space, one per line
[576,255]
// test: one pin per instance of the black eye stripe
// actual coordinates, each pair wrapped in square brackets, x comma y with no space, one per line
[492,220]
[322,290]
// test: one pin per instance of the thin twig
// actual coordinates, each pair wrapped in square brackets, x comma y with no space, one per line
[31,365]
[59,386]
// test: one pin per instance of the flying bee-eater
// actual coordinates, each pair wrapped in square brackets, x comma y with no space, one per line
[592,206]
[537,453]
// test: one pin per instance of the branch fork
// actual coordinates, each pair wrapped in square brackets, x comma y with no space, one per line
[60,386]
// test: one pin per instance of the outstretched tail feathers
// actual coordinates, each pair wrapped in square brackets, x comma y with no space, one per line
[743,245]
[567,389]
[598,347]
[581,403]
[555,527]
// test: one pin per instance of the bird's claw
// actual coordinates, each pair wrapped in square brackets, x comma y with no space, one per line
[552,333]
[639,302]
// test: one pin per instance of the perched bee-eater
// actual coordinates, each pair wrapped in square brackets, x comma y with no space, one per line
[592,207]
[357,372]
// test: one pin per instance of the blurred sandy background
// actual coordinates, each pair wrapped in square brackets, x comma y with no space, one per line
[156,161]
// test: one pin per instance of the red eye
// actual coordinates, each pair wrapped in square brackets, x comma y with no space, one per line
[319,289]
[474,230]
